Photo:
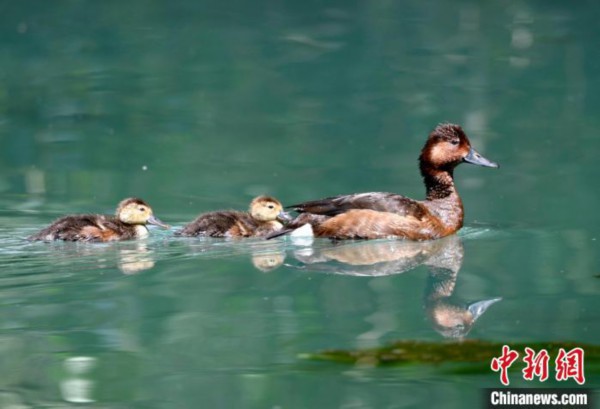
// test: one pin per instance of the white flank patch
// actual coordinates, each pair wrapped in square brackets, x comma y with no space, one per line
[303,231]
[303,236]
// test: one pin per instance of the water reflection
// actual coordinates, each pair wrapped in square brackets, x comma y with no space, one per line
[268,261]
[265,255]
[375,258]
[136,259]
[76,388]
[129,257]
[449,316]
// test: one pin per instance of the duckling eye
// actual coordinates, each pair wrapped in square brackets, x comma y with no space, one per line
[454,142]
[271,206]
[142,209]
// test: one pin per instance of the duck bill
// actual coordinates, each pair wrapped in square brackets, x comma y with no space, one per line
[155,221]
[478,308]
[475,158]
[284,217]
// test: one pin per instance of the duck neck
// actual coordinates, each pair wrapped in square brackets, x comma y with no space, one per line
[439,183]
[442,198]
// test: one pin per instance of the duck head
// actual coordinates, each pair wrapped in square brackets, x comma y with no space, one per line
[268,209]
[136,211]
[447,147]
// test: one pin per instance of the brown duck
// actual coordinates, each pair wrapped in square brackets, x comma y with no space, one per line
[388,215]
[264,217]
[130,222]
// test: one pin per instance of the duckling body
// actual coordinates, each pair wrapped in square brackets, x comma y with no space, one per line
[130,222]
[228,223]
[388,215]
[263,218]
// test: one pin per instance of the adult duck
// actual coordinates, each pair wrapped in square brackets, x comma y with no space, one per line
[377,215]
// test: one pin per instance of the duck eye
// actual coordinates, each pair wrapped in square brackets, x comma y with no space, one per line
[142,209]
[454,142]
[271,206]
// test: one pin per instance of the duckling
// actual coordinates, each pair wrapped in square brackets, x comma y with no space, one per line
[130,222]
[388,215]
[264,217]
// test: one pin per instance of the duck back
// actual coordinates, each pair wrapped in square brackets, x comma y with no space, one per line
[378,201]
[86,227]
[227,223]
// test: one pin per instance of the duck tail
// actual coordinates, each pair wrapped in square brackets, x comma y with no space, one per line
[279,233]
[301,231]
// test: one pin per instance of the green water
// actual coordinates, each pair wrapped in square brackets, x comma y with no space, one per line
[199,105]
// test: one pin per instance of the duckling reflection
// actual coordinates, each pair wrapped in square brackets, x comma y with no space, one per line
[129,257]
[265,256]
[135,259]
[268,261]
[450,317]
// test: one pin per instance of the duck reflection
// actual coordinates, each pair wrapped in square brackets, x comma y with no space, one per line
[266,256]
[135,259]
[129,257]
[370,258]
[268,261]
[450,316]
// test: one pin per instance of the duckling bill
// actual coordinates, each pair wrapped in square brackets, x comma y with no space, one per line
[129,223]
[389,215]
[264,217]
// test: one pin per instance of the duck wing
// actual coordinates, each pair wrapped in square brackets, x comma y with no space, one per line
[378,201]
[84,227]
[220,224]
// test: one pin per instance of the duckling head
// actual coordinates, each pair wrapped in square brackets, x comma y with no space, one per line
[449,146]
[267,209]
[136,211]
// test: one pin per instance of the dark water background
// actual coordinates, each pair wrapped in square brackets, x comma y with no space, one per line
[200,105]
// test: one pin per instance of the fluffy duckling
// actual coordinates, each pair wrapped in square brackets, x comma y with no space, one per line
[376,215]
[264,217]
[130,222]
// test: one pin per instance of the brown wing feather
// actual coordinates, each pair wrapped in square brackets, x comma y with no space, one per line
[378,201]
[370,224]
[220,224]
[86,227]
